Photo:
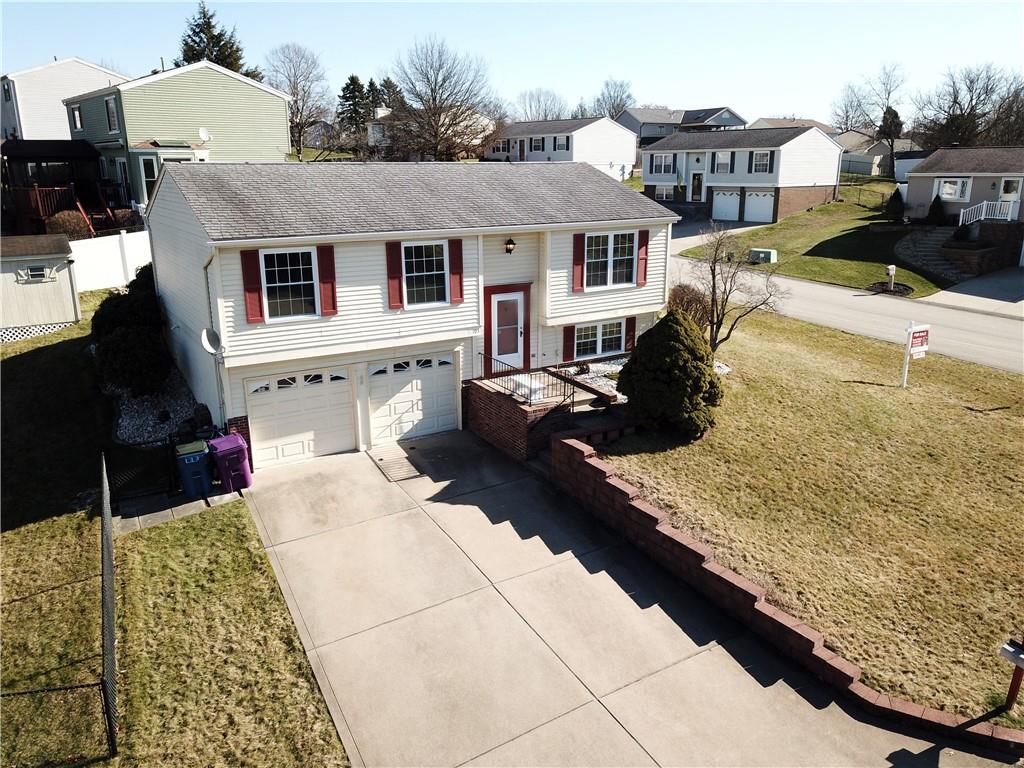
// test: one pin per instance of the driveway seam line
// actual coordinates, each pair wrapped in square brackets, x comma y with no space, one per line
[341,709]
[343,527]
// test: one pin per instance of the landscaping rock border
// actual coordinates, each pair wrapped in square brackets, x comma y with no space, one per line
[577,470]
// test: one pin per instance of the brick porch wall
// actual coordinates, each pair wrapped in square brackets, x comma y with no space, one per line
[516,429]
[789,200]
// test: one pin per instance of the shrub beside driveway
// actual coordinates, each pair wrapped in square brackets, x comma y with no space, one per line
[887,519]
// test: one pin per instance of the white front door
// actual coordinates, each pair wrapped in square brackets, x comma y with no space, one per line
[507,327]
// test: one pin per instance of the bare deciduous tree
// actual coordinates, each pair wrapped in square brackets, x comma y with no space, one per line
[541,104]
[449,109]
[297,71]
[614,97]
[847,112]
[972,105]
[734,287]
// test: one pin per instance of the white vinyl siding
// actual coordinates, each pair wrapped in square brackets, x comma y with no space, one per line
[522,266]
[551,345]
[809,160]
[606,145]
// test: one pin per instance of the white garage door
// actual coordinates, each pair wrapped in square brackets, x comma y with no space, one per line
[726,206]
[412,396]
[759,206]
[299,415]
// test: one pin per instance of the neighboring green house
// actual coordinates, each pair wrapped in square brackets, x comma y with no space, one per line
[201,112]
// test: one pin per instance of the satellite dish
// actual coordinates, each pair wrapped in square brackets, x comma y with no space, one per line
[204,135]
[210,340]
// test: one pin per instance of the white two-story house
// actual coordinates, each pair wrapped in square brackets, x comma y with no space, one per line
[324,307]
[654,123]
[598,141]
[756,175]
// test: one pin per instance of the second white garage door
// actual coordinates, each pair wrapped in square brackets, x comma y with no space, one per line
[759,206]
[412,396]
[726,206]
[299,415]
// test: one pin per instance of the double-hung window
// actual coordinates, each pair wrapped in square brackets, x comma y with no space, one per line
[113,126]
[723,162]
[761,162]
[957,190]
[561,143]
[536,144]
[610,260]
[662,193]
[662,164]
[149,173]
[425,273]
[290,284]
[501,146]
[76,117]
[599,339]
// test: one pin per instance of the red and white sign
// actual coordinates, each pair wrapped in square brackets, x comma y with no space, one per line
[918,343]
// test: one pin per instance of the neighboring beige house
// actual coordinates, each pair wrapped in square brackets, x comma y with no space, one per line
[196,113]
[757,175]
[598,141]
[38,286]
[973,183]
[866,155]
[793,122]
[347,318]
[32,106]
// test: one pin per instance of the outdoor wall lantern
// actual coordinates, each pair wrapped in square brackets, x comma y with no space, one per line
[510,245]
[993,185]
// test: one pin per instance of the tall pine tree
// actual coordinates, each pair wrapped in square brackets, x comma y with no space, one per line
[204,38]
[374,96]
[353,111]
[391,94]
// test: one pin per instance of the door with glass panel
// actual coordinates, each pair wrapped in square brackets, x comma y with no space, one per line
[507,329]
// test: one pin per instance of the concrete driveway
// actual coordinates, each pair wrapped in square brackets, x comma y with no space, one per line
[997,293]
[473,616]
[689,233]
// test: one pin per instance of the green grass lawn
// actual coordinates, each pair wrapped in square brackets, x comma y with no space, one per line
[831,244]
[309,154]
[213,669]
[888,519]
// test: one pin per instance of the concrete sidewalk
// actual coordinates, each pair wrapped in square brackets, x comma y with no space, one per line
[474,616]
[997,293]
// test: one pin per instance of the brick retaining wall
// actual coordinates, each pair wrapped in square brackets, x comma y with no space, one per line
[577,470]
[513,427]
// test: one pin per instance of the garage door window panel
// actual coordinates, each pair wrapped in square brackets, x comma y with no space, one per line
[425,274]
[290,284]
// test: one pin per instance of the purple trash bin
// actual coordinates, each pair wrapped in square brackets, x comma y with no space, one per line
[231,455]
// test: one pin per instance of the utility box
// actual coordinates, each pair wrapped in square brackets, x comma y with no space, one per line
[231,455]
[763,256]
[194,469]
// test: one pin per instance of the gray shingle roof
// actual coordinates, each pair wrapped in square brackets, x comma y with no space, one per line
[34,245]
[797,122]
[697,116]
[740,138]
[655,115]
[546,127]
[973,160]
[250,201]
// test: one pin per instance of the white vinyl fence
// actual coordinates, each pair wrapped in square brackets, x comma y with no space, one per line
[110,261]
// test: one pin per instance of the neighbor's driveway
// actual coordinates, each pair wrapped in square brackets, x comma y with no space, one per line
[473,616]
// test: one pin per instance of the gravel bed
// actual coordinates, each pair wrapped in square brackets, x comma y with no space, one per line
[139,418]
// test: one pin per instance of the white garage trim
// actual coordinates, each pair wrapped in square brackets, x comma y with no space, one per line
[725,205]
[759,206]
[412,396]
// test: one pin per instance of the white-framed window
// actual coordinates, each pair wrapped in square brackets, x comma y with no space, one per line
[501,145]
[76,117]
[536,144]
[761,160]
[561,143]
[425,273]
[662,164]
[600,339]
[289,284]
[149,167]
[956,190]
[110,104]
[723,162]
[662,193]
[610,260]
[36,272]
[7,90]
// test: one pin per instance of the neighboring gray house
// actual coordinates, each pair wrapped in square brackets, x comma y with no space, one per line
[652,123]
[37,286]
[866,155]
[908,161]
[973,183]
[793,122]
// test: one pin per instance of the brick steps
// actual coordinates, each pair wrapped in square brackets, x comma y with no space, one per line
[921,248]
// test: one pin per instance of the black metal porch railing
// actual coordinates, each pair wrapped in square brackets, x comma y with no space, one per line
[528,385]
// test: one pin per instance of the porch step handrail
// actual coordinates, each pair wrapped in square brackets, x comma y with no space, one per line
[529,385]
[987,209]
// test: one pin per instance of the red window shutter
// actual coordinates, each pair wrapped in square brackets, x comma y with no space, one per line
[568,343]
[393,248]
[641,258]
[325,271]
[579,250]
[630,333]
[455,295]
[252,284]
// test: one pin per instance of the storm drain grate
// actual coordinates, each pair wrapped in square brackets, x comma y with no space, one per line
[394,462]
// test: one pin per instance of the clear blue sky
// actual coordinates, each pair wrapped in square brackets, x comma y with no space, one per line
[761,59]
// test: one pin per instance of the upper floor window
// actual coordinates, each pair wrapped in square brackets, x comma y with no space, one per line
[149,173]
[662,164]
[7,90]
[36,272]
[610,260]
[501,145]
[536,143]
[561,143]
[955,189]
[761,160]
[425,273]
[111,105]
[723,162]
[76,117]
[289,280]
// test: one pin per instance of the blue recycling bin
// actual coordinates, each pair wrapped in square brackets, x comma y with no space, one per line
[194,469]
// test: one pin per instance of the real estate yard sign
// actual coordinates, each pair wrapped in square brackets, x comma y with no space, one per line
[917,345]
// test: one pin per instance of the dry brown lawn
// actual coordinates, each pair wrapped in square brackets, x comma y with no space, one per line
[891,520]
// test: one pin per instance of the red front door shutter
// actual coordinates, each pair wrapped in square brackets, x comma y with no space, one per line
[252,284]
[568,343]
[579,252]
[393,248]
[455,295]
[328,288]
[630,333]
[641,258]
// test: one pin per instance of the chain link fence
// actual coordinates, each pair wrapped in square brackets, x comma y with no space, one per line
[108,676]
